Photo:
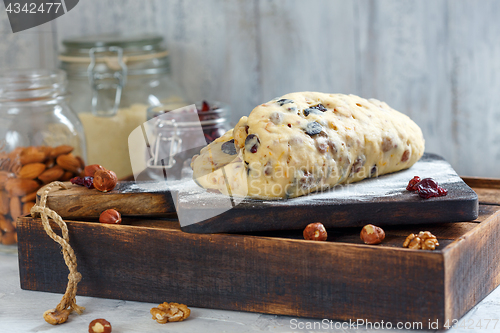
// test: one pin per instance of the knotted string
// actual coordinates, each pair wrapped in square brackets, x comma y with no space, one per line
[68,303]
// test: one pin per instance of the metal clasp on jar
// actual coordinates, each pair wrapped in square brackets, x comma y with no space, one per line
[173,143]
[102,81]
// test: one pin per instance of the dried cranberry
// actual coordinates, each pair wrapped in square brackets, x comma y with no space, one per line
[313,128]
[427,183]
[85,181]
[77,181]
[428,188]
[442,191]
[89,182]
[228,147]
[208,138]
[204,106]
[212,133]
[427,192]
[412,183]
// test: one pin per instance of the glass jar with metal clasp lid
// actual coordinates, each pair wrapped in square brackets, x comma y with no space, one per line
[113,79]
[41,141]
[175,140]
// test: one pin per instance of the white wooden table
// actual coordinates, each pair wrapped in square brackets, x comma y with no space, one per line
[21,311]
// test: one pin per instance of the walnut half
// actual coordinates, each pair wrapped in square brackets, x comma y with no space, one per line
[56,317]
[168,312]
[424,240]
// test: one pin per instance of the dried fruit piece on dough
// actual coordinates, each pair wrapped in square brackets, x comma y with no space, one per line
[308,141]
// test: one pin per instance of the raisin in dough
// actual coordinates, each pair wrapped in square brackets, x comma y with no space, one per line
[308,141]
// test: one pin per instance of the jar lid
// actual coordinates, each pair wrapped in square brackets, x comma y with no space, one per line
[139,44]
[142,54]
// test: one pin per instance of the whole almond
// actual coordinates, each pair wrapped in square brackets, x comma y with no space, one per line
[4,203]
[15,208]
[16,153]
[52,174]
[6,225]
[31,171]
[9,238]
[27,207]
[67,176]
[82,162]
[15,166]
[20,187]
[46,150]
[50,163]
[29,197]
[4,176]
[31,155]
[4,159]
[69,163]
[61,150]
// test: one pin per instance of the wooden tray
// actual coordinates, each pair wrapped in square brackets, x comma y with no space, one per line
[279,272]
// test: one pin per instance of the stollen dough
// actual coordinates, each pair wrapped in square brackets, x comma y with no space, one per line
[305,142]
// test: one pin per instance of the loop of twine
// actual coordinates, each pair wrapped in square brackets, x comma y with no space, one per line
[68,301]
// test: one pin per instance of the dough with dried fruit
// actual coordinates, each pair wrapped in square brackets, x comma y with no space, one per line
[306,142]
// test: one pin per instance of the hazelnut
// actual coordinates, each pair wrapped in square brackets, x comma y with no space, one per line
[99,326]
[110,216]
[90,170]
[315,231]
[372,235]
[105,180]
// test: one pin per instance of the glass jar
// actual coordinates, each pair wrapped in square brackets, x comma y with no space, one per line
[34,118]
[175,139]
[112,81]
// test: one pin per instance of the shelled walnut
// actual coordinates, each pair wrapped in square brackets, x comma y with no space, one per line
[168,312]
[23,172]
[424,241]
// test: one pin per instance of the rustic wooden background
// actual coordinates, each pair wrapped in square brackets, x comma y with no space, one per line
[436,60]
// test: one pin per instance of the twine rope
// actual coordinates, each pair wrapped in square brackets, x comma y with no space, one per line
[68,301]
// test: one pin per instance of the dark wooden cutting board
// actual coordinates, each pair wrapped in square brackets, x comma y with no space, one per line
[381,201]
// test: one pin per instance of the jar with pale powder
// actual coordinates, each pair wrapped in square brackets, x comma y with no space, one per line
[112,81]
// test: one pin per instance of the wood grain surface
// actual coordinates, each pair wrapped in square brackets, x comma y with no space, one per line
[436,61]
[126,197]
[275,272]
[246,273]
